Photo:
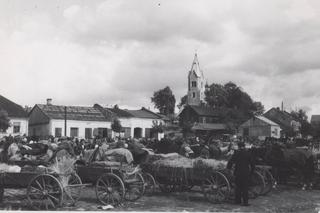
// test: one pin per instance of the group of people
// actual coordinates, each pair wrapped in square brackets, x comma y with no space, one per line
[132,150]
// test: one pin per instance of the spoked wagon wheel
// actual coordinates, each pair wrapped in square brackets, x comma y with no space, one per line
[72,191]
[149,183]
[256,185]
[110,189]
[216,188]
[44,192]
[134,185]
[268,179]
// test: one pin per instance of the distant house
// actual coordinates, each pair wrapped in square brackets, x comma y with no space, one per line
[260,126]
[135,123]
[18,118]
[288,124]
[315,120]
[71,121]
[203,119]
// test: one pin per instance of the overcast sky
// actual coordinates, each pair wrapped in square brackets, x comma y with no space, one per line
[120,52]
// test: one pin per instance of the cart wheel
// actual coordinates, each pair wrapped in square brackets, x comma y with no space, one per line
[44,192]
[134,187]
[216,188]
[110,189]
[268,179]
[256,185]
[149,183]
[72,190]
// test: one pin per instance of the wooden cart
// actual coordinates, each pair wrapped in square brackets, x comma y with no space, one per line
[45,190]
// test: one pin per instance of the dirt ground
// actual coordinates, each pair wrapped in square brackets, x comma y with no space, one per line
[282,199]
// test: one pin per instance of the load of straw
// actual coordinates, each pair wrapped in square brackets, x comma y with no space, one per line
[9,168]
[64,167]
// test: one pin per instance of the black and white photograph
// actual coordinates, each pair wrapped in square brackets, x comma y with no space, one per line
[160,105]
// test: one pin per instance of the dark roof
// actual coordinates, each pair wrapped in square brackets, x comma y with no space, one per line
[315,118]
[120,113]
[13,109]
[204,111]
[73,112]
[143,113]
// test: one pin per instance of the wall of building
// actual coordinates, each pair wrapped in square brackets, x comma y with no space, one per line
[258,128]
[22,122]
[40,130]
[198,90]
[81,125]
[143,123]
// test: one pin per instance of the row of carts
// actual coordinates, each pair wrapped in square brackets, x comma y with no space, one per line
[114,183]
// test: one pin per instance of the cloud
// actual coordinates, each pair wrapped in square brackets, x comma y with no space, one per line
[118,51]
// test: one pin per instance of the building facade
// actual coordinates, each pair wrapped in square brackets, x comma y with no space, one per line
[18,118]
[71,121]
[196,84]
[260,127]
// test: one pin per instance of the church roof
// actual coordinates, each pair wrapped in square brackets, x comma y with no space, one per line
[195,68]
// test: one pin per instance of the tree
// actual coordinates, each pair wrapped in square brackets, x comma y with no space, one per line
[4,120]
[157,127]
[259,108]
[183,101]
[235,105]
[116,125]
[164,101]
[301,116]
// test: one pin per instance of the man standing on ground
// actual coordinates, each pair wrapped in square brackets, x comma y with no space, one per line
[244,166]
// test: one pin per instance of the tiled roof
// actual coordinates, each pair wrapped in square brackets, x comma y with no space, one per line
[120,113]
[13,109]
[73,112]
[144,113]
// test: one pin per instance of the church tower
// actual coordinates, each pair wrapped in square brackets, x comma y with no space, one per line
[196,84]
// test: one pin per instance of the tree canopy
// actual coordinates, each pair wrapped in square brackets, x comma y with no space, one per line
[164,101]
[4,120]
[116,125]
[235,105]
[183,101]
[301,116]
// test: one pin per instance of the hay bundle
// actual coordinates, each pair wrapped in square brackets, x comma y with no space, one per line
[209,164]
[64,167]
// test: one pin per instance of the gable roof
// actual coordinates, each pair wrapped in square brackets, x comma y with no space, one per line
[73,112]
[266,120]
[13,109]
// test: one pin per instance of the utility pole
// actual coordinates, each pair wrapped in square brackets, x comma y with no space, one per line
[65,121]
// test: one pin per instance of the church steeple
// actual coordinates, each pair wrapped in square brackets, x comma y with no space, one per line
[196,83]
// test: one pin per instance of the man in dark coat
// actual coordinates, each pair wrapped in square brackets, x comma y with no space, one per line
[244,166]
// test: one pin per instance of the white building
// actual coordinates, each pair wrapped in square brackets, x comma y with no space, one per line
[87,122]
[71,121]
[135,123]
[18,118]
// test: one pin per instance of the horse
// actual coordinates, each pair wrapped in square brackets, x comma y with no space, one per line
[286,162]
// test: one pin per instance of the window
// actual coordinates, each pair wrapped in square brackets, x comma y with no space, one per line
[194,84]
[88,133]
[193,95]
[16,127]
[74,132]
[275,132]
[58,132]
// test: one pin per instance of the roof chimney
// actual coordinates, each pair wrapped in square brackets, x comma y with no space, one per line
[49,101]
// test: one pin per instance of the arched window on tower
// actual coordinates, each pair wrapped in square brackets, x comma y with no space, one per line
[193,95]
[194,84]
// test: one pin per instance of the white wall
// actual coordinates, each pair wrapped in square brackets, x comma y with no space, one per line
[81,125]
[275,131]
[138,123]
[23,127]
